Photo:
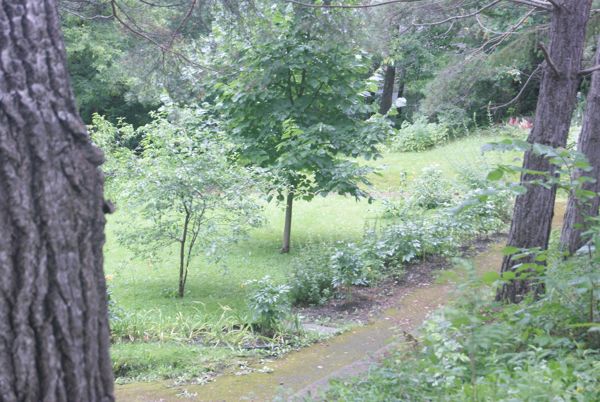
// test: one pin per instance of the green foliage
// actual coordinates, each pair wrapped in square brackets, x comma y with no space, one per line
[430,189]
[312,276]
[155,361]
[101,83]
[299,73]
[477,349]
[423,228]
[182,183]
[348,267]
[269,303]
[419,136]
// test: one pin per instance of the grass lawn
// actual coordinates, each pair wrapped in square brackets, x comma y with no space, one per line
[144,289]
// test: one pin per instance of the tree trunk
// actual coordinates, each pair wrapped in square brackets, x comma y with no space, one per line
[53,308]
[589,145]
[401,78]
[388,89]
[182,262]
[534,210]
[287,229]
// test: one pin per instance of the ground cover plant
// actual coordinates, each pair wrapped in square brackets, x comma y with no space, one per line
[215,310]
[478,349]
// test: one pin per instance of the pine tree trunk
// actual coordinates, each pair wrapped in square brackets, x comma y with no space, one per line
[388,89]
[589,145]
[287,229]
[53,307]
[532,217]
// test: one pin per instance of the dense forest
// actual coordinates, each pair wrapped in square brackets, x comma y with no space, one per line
[356,200]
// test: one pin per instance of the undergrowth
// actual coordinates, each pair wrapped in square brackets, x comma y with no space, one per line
[479,350]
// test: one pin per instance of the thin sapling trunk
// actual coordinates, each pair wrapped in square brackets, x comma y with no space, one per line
[287,229]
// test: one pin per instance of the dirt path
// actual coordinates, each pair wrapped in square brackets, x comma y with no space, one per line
[308,371]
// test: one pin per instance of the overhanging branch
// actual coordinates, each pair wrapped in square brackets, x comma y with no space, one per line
[590,70]
[459,17]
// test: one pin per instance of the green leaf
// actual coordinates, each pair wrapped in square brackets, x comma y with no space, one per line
[490,277]
[510,250]
[495,174]
[509,275]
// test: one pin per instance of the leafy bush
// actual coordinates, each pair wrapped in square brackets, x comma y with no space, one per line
[437,219]
[419,136]
[182,182]
[312,276]
[348,267]
[431,189]
[269,304]
[477,349]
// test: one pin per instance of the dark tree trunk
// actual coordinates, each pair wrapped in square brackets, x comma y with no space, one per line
[287,229]
[388,89]
[53,307]
[400,77]
[182,259]
[534,210]
[589,145]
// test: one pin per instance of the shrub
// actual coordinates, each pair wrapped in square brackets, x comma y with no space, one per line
[349,267]
[312,276]
[431,190]
[419,136]
[269,304]
[477,349]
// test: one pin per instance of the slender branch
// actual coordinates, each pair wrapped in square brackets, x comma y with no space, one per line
[478,19]
[384,3]
[151,4]
[289,87]
[555,3]
[459,17]
[314,97]
[521,92]
[549,59]
[182,23]
[590,70]
[139,32]
[537,4]
[83,17]
[496,41]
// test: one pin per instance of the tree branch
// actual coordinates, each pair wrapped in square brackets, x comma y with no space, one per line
[590,70]
[139,32]
[458,17]
[516,98]
[549,59]
[555,3]
[384,3]
[534,3]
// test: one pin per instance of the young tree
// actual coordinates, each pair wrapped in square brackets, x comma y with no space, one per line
[532,217]
[184,186]
[295,106]
[53,312]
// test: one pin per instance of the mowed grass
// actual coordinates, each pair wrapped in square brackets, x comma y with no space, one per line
[146,288]
[139,284]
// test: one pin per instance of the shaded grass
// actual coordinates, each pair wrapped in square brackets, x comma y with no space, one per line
[158,360]
[144,289]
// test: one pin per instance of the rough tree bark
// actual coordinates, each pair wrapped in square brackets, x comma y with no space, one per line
[388,89]
[53,308]
[589,145]
[532,217]
[287,229]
